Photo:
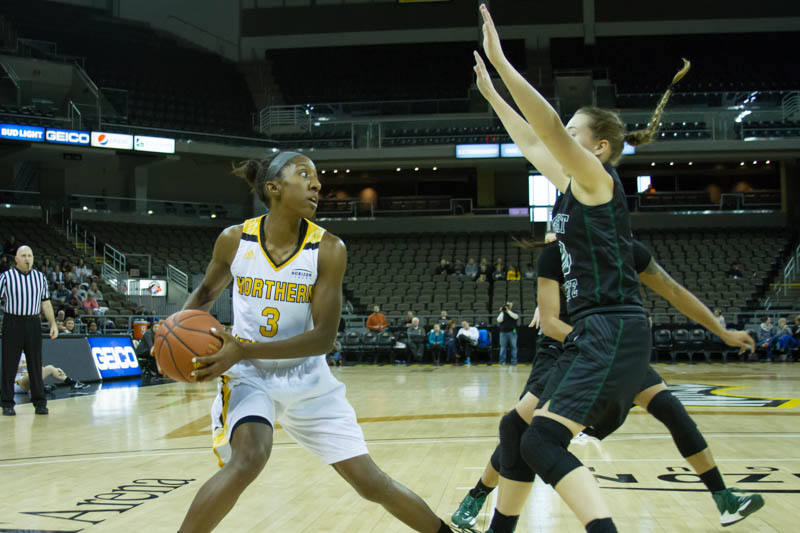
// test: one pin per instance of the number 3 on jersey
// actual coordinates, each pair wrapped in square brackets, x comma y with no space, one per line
[271,329]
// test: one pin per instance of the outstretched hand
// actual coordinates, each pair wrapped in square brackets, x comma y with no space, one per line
[483,81]
[535,322]
[212,366]
[491,40]
[739,339]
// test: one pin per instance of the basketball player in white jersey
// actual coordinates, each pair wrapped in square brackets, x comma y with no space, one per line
[287,274]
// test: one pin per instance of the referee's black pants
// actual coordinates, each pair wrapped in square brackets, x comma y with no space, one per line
[22,333]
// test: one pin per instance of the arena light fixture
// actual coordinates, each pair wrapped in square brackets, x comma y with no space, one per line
[335,170]
[741,164]
[672,163]
[323,171]
[416,169]
[397,169]
[691,163]
[437,168]
[213,215]
[755,162]
[653,164]
[149,211]
[767,162]
[347,171]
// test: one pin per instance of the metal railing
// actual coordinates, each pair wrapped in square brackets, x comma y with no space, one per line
[114,265]
[81,239]
[125,204]
[178,277]
[790,105]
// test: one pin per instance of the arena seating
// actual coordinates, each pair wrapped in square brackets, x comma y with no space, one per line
[168,85]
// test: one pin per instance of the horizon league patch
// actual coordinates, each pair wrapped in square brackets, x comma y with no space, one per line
[682,475]
[696,395]
[96,509]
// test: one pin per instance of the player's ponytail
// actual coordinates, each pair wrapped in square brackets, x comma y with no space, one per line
[648,135]
[249,171]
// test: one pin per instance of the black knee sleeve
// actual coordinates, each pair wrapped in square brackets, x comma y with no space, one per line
[495,460]
[544,448]
[670,412]
[512,465]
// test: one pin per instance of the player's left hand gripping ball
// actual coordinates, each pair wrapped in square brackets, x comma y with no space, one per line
[212,366]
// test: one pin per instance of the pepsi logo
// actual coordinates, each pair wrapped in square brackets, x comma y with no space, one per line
[102,139]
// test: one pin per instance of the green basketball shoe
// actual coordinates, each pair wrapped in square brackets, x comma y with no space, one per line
[468,509]
[734,508]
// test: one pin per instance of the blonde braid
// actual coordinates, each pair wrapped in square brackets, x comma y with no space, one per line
[645,136]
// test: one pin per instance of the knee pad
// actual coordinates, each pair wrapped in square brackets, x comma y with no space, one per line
[495,460]
[544,448]
[670,412]
[512,465]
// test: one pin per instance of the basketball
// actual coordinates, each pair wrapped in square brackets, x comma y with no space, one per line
[182,336]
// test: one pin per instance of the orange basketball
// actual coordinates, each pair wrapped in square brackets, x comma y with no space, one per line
[181,337]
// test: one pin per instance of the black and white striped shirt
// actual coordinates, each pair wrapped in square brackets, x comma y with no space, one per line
[23,294]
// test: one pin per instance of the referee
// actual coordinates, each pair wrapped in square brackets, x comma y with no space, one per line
[23,293]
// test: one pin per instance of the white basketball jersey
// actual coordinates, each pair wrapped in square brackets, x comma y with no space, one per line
[272,302]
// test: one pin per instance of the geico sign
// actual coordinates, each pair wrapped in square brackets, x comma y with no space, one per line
[115,357]
[63,136]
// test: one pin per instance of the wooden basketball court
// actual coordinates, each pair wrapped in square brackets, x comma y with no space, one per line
[132,458]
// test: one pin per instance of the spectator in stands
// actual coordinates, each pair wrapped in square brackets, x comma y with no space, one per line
[409,319]
[335,355]
[61,294]
[11,245]
[484,276]
[4,264]
[57,276]
[735,272]
[443,267]
[719,317]
[484,262]
[458,268]
[507,322]
[47,268]
[416,340]
[782,341]
[450,349]
[81,271]
[650,189]
[513,274]
[436,343]
[69,326]
[95,290]
[443,320]
[530,272]
[499,274]
[471,268]
[499,262]
[763,334]
[70,282]
[92,329]
[83,290]
[60,318]
[466,340]
[90,304]
[376,322]
[75,299]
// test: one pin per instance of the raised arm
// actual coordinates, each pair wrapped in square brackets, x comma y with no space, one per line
[687,303]
[326,308]
[583,166]
[520,131]
[218,273]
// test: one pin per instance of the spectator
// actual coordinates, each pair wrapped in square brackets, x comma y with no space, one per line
[409,319]
[376,322]
[763,335]
[471,268]
[57,276]
[499,263]
[75,299]
[416,340]
[83,290]
[782,341]
[92,330]
[60,317]
[484,262]
[466,340]
[81,271]
[650,189]
[4,264]
[335,355]
[47,268]
[95,290]
[458,268]
[484,276]
[90,304]
[719,317]
[10,247]
[507,322]
[530,272]
[61,294]
[499,274]
[144,351]
[443,320]
[436,343]
[735,272]
[69,326]
[69,280]
[444,267]
[450,350]
[513,274]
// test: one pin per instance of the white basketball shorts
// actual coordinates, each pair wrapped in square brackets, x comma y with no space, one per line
[306,399]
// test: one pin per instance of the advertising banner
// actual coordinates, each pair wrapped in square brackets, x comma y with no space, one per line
[117,141]
[21,133]
[114,356]
[162,145]
[71,137]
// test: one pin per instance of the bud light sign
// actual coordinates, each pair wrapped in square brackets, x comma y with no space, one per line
[21,133]
[73,137]
[114,356]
